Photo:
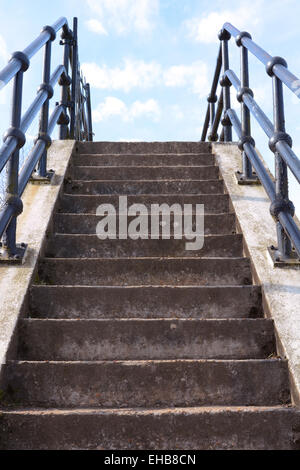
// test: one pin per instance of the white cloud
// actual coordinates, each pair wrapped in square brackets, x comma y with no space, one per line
[4,55]
[139,74]
[149,108]
[133,74]
[96,27]
[194,76]
[126,15]
[205,29]
[177,112]
[113,106]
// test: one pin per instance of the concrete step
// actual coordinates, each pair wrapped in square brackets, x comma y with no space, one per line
[141,173]
[149,384]
[214,224]
[145,302]
[173,159]
[142,147]
[90,246]
[145,271]
[145,187]
[131,339]
[210,428]
[214,203]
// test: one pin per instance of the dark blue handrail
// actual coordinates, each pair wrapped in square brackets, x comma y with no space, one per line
[282,209]
[73,115]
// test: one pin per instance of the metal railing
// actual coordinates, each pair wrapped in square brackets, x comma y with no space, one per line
[280,143]
[72,114]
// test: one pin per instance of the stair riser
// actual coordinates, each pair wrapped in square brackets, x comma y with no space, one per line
[214,224]
[186,429]
[90,246]
[144,173]
[135,272]
[76,204]
[143,147]
[145,187]
[145,302]
[144,160]
[147,384]
[45,340]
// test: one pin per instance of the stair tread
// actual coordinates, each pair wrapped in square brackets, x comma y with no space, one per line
[151,383]
[212,409]
[144,339]
[138,362]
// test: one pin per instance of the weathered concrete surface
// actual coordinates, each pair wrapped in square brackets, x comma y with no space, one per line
[175,159]
[90,246]
[141,384]
[240,428]
[39,201]
[78,204]
[138,173]
[145,271]
[281,286]
[131,339]
[215,224]
[134,148]
[145,302]
[145,187]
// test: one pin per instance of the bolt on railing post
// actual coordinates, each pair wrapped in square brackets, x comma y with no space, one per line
[65,82]
[282,202]
[44,117]
[224,37]
[12,190]
[74,77]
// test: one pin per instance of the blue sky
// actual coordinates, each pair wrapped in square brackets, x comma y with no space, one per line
[150,62]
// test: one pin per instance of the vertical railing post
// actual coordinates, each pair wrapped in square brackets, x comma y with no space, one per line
[212,98]
[10,248]
[246,176]
[282,202]
[89,112]
[65,82]
[212,112]
[44,117]
[224,37]
[74,78]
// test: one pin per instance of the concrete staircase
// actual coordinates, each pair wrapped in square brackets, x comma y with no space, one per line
[142,344]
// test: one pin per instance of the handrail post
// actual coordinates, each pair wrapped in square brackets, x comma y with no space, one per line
[246,176]
[212,99]
[10,250]
[281,202]
[44,117]
[65,82]
[74,77]
[212,112]
[89,112]
[224,37]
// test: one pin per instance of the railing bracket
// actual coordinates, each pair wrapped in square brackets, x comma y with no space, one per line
[18,258]
[37,179]
[243,180]
[280,262]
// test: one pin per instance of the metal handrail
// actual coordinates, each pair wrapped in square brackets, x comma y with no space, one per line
[282,209]
[65,114]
